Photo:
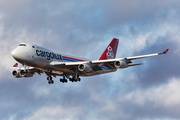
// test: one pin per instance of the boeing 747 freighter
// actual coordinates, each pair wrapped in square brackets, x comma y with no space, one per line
[36,59]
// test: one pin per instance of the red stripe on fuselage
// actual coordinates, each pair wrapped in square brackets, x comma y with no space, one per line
[72,58]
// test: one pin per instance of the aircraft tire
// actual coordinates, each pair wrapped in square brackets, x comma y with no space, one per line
[65,80]
[49,78]
[78,79]
[73,80]
[50,81]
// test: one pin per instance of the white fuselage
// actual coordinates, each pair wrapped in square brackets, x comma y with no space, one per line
[40,58]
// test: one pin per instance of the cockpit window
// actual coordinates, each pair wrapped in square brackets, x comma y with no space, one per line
[22,44]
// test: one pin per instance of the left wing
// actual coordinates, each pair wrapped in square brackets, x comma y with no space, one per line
[19,72]
[110,63]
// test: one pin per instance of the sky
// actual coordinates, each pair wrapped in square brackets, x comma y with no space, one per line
[84,28]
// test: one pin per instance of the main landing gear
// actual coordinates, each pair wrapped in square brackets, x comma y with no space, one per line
[50,81]
[64,80]
[74,78]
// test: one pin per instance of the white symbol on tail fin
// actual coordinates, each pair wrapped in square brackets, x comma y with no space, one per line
[110,54]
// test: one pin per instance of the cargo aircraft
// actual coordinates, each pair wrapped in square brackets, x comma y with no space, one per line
[36,59]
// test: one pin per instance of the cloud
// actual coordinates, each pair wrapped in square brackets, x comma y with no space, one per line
[56,112]
[157,95]
[155,99]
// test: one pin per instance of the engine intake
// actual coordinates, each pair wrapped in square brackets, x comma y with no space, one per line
[120,64]
[16,74]
[26,73]
[85,68]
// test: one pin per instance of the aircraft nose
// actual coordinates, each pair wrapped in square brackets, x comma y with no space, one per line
[14,53]
[17,54]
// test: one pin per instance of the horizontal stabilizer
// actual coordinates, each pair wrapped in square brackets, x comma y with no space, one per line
[15,65]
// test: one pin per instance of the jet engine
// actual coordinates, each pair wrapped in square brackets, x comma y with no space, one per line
[16,74]
[26,73]
[85,68]
[120,64]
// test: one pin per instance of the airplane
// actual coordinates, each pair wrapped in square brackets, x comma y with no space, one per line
[36,59]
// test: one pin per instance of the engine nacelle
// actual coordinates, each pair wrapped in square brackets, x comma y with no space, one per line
[16,74]
[26,73]
[120,64]
[85,68]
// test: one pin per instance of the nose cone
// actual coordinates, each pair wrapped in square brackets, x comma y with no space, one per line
[15,54]
[18,54]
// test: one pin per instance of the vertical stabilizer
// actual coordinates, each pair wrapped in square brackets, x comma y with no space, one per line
[110,51]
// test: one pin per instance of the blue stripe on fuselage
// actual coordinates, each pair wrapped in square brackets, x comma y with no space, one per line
[69,60]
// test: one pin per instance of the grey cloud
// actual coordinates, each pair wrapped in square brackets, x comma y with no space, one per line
[160,68]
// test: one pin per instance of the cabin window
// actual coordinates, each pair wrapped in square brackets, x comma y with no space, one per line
[22,44]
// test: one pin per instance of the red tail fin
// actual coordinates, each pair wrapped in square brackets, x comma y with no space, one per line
[110,51]
[15,65]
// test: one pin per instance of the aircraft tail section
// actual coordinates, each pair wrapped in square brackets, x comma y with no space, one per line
[110,51]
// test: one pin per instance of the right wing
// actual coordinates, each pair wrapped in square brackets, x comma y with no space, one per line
[110,63]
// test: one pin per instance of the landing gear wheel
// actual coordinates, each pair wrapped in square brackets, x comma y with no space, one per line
[79,79]
[49,78]
[72,79]
[50,81]
[63,80]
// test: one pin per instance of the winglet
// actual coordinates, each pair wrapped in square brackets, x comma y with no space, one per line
[15,65]
[164,52]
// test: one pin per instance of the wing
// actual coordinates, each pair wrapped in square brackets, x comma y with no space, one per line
[110,63]
[127,62]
